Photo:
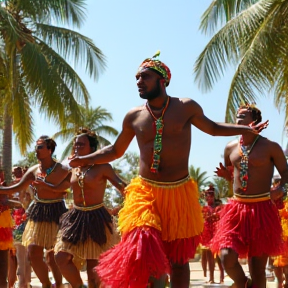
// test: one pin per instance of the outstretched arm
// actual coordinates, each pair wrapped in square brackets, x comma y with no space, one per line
[27,179]
[210,127]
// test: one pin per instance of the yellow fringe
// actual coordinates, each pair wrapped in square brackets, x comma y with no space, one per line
[87,250]
[280,261]
[252,198]
[43,234]
[173,209]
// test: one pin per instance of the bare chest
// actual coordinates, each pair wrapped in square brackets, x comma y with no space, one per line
[258,157]
[171,125]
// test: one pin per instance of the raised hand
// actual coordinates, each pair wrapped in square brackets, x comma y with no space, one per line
[74,161]
[260,126]
[223,172]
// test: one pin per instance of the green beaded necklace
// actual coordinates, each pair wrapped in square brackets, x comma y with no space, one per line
[159,125]
[244,153]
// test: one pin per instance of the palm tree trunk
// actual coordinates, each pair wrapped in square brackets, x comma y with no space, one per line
[7,147]
[7,133]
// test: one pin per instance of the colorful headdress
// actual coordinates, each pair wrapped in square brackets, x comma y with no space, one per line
[158,66]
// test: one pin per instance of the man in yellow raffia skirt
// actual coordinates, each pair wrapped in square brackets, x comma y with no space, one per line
[161,220]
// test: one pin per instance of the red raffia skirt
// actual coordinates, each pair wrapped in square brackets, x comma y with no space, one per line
[251,227]
[160,223]
[207,234]
[6,224]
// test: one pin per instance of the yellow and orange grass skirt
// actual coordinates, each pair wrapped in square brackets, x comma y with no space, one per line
[282,260]
[6,224]
[160,223]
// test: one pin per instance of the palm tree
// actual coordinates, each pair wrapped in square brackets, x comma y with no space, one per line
[29,160]
[222,186]
[199,177]
[254,39]
[92,118]
[34,66]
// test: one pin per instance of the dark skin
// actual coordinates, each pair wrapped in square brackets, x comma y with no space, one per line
[95,183]
[180,115]
[58,175]
[207,255]
[263,158]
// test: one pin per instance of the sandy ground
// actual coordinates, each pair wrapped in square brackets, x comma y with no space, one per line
[197,278]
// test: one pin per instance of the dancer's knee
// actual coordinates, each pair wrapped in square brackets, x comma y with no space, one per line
[62,258]
[229,258]
[35,252]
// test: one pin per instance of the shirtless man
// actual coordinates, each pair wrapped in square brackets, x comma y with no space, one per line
[43,223]
[164,195]
[250,224]
[87,229]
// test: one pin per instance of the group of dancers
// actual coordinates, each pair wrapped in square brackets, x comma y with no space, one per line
[161,221]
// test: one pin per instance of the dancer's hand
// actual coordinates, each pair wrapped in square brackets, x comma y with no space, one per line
[75,161]
[223,172]
[257,128]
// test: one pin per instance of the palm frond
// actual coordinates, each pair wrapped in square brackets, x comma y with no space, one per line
[65,134]
[65,12]
[220,12]
[44,82]
[73,45]
[229,45]
[257,72]
[22,118]
[106,130]
[67,151]
[10,30]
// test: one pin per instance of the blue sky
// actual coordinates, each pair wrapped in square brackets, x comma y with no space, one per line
[129,31]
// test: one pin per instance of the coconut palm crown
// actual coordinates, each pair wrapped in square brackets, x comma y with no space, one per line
[38,53]
[254,40]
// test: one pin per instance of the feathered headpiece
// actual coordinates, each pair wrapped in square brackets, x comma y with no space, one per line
[158,66]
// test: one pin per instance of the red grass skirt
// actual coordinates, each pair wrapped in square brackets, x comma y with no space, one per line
[6,224]
[250,229]
[151,232]
[207,234]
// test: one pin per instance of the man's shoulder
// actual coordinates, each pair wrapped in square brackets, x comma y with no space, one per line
[136,109]
[183,100]
[134,113]
[269,143]
[64,167]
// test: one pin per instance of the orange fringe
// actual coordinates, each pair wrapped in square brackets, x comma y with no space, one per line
[282,260]
[163,208]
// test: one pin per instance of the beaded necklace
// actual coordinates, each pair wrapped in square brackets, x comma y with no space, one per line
[81,176]
[244,153]
[158,124]
[48,171]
